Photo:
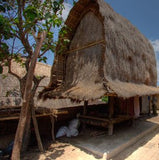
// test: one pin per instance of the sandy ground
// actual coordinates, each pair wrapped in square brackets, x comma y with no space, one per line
[145,149]
[60,151]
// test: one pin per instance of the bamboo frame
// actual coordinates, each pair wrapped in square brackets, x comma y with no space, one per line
[86,46]
[17,117]
[36,128]
[108,122]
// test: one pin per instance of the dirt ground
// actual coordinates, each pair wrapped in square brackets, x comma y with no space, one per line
[147,148]
[60,151]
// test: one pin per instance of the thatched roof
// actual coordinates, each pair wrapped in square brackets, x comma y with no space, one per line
[106,55]
[64,103]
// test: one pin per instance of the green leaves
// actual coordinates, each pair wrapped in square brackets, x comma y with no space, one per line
[2,8]
[4,51]
[4,47]
[5,28]
[56,6]
[20,23]
[32,18]
[105,99]
[30,13]
[43,59]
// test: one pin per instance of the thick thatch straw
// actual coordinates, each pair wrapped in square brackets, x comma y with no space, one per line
[107,55]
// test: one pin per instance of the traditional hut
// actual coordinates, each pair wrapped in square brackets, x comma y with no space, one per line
[106,55]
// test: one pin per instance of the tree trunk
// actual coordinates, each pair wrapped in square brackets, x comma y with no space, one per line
[24,114]
[27,132]
[19,133]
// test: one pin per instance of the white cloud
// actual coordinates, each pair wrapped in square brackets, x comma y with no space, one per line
[155,44]
[157,73]
[66,11]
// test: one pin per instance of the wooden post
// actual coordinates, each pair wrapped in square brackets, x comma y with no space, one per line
[111,107]
[111,113]
[37,131]
[84,113]
[85,107]
[52,128]
[149,98]
[110,129]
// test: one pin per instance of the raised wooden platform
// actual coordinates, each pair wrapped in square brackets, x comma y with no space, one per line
[104,122]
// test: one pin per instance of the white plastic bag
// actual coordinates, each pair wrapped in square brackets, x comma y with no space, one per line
[74,124]
[71,130]
[62,131]
[74,132]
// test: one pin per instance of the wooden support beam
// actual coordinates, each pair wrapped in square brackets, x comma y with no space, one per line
[85,107]
[14,117]
[110,129]
[94,118]
[37,131]
[52,128]
[111,113]
[111,107]
[150,97]
[84,113]
[9,118]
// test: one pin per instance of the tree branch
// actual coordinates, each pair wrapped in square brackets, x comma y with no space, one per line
[27,62]
[23,39]
[13,45]
[36,84]
[43,52]
[35,38]
[10,70]
[19,49]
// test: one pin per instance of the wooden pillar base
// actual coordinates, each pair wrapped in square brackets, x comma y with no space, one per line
[35,123]
[53,126]
[110,129]
[85,107]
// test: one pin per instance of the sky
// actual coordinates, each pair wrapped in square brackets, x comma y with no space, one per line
[143,14]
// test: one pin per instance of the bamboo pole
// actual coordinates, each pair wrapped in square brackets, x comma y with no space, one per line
[86,46]
[37,131]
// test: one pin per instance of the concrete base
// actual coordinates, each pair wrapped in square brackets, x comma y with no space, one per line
[124,136]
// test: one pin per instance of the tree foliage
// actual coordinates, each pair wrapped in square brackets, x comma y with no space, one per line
[21,22]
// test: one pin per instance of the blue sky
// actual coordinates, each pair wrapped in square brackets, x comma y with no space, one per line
[141,13]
